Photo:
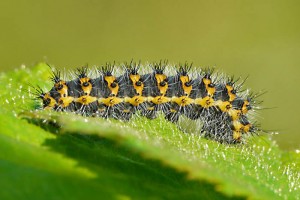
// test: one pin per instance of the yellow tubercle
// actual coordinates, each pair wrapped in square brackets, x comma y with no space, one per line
[65,101]
[150,108]
[112,85]
[86,85]
[234,114]
[52,102]
[160,78]
[135,101]
[244,108]
[237,135]
[205,102]
[182,101]
[230,94]
[246,128]
[159,99]
[237,126]
[206,81]
[210,90]
[187,89]
[85,100]
[62,88]
[137,84]
[224,106]
[110,101]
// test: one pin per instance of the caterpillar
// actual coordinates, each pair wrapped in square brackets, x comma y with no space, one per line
[121,91]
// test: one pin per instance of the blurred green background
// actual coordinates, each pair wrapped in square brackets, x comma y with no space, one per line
[256,38]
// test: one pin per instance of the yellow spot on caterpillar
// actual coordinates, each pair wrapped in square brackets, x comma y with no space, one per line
[62,88]
[137,84]
[209,86]
[86,85]
[230,94]
[246,128]
[237,135]
[162,84]
[112,85]
[224,106]
[182,101]
[51,103]
[237,129]
[237,126]
[159,99]
[150,108]
[110,101]
[210,90]
[65,101]
[187,89]
[245,106]
[205,102]
[135,101]
[86,100]
[234,114]
[206,81]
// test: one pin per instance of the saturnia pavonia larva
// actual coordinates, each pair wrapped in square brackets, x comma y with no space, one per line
[121,91]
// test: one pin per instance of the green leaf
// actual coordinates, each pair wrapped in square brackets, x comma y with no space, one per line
[49,155]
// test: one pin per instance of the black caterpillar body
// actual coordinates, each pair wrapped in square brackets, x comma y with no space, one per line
[215,100]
